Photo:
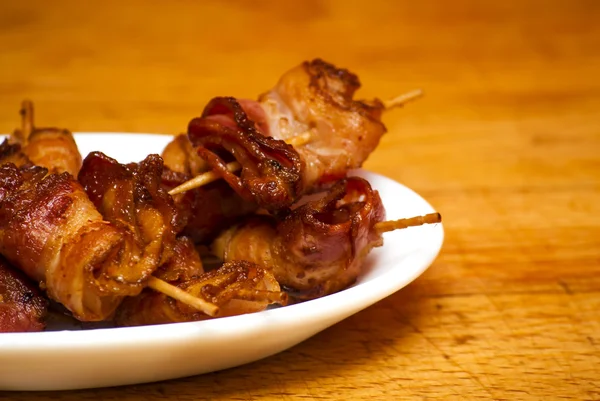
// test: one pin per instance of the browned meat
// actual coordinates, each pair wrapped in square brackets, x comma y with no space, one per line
[318,96]
[185,264]
[319,248]
[271,172]
[132,198]
[12,153]
[181,157]
[23,308]
[238,287]
[50,230]
[206,210]
[53,148]
[314,97]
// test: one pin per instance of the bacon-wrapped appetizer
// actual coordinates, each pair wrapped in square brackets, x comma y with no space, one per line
[271,169]
[53,148]
[132,198]
[23,308]
[237,287]
[319,248]
[52,231]
[316,98]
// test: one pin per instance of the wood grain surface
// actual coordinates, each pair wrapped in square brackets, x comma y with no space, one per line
[505,144]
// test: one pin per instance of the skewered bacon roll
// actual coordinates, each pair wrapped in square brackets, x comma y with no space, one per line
[316,97]
[23,308]
[319,248]
[237,287]
[51,231]
[131,197]
[53,148]
[271,169]
[12,153]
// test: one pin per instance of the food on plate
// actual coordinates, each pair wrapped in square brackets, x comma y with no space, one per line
[23,308]
[53,148]
[52,232]
[119,242]
[208,209]
[237,287]
[315,99]
[317,249]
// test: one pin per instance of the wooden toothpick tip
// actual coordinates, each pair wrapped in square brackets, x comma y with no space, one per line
[386,226]
[401,100]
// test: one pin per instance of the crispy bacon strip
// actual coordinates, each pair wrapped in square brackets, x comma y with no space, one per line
[185,264]
[314,97]
[271,172]
[319,96]
[23,308]
[51,231]
[13,153]
[53,148]
[54,232]
[238,287]
[132,198]
[319,248]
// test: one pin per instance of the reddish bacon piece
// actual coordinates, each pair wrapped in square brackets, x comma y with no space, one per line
[23,308]
[319,248]
[51,231]
[319,96]
[132,198]
[237,288]
[13,153]
[271,169]
[314,97]
[206,210]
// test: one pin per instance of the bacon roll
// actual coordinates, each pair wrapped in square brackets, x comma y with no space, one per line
[23,307]
[317,249]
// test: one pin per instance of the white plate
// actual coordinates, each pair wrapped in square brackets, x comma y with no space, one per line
[72,359]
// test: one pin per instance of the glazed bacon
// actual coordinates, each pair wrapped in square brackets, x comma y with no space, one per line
[237,287]
[23,308]
[12,153]
[206,210]
[319,96]
[131,197]
[185,264]
[271,172]
[319,248]
[56,234]
[51,231]
[52,148]
[314,97]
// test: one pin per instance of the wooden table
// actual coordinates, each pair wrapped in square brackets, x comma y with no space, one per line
[506,145]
